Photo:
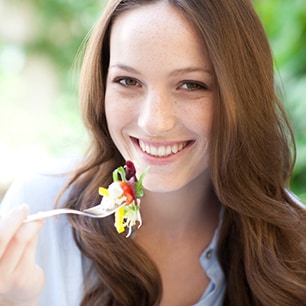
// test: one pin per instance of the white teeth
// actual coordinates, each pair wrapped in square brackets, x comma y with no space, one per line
[153,150]
[174,149]
[168,150]
[161,151]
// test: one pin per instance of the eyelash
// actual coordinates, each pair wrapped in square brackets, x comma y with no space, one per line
[122,81]
[196,85]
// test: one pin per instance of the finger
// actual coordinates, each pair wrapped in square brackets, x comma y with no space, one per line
[18,246]
[10,224]
[28,267]
[28,276]
[27,287]
[29,255]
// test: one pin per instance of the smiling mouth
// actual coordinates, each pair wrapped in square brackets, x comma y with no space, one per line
[162,150]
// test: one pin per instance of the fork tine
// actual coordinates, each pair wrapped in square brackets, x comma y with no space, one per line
[99,209]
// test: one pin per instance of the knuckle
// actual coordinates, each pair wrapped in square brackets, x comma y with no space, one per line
[17,240]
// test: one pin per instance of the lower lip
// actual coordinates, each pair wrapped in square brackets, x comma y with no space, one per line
[160,160]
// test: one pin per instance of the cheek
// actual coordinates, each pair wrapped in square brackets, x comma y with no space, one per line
[110,104]
[112,113]
[200,119]
[114,110]
[117,108]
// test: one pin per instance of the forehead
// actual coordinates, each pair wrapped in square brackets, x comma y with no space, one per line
[154,29]
[157,14]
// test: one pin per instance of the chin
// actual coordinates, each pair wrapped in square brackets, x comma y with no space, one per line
[162,186]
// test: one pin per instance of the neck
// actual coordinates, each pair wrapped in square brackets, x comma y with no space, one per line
[191,209]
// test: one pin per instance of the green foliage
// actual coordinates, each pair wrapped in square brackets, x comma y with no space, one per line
[54,31]
[285,24]
[62,26]
[39,112]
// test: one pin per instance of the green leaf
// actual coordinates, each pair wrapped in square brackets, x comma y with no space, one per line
[139,187]
[119,171]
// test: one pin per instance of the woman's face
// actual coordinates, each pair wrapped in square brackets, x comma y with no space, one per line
[160,95]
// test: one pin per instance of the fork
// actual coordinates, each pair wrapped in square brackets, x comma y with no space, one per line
[97,211]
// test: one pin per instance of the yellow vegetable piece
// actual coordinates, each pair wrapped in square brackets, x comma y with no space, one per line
[119,215]
[103,192]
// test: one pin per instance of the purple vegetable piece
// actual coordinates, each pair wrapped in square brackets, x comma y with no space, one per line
[130,170]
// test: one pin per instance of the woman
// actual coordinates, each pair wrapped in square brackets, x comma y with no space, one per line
[186,87]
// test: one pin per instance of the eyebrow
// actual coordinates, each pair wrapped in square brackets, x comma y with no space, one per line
[173,73]
[126,68]
[189,70]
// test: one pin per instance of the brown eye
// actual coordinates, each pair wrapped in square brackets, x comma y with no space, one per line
[128,82]
[190,85]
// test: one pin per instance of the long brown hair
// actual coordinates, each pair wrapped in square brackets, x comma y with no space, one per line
[263,235]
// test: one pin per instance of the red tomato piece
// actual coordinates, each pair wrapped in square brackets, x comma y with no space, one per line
[128,192]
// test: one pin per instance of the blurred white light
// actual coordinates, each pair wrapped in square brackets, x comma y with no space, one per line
[12,59]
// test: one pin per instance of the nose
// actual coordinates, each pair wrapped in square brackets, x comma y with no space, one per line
[157,114]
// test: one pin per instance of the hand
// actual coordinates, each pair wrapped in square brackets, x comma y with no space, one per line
[21,280]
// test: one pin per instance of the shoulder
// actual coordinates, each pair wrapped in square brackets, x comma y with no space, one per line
[39,186]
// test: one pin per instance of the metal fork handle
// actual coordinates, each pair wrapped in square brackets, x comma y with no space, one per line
[59,211]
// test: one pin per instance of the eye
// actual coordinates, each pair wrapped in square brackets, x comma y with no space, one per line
[193,85]
[127,82]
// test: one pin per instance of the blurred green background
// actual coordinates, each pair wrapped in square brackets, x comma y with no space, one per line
[39,41]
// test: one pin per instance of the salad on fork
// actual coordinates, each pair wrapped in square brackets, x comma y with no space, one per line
[125,191]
